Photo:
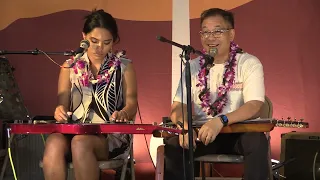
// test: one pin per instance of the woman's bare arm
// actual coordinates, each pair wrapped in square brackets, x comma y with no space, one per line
[130,91]
[64,86]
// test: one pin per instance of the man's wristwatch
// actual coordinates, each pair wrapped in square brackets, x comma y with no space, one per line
[224,119]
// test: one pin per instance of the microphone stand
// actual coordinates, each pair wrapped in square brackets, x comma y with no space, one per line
[37,52]
[187,50]
[279,165]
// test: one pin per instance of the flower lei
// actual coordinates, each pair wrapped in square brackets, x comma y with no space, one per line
[81,69]
[228,78]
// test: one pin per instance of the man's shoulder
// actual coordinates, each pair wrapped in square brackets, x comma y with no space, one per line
[248,59]
[195,65]
[195,61]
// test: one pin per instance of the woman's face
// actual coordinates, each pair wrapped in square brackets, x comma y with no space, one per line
[101,42]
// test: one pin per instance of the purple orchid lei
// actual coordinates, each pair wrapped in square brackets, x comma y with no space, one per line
[82,70]
[228,80]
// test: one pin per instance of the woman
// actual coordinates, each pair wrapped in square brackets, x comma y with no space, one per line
[100,87]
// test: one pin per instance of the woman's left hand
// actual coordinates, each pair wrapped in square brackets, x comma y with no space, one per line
[119,116]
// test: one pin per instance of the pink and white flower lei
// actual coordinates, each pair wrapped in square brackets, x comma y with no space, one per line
[82,70]
[228,80]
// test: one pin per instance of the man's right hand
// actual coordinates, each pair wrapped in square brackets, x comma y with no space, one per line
[184,140]
[60,114]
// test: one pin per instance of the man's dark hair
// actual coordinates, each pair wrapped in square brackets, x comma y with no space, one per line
[226,15]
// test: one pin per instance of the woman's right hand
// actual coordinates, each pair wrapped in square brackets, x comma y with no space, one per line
[60,114]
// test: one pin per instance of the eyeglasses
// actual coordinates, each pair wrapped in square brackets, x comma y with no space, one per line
[215,33]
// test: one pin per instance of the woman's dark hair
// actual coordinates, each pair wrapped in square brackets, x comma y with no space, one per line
[101,19]
[226,15]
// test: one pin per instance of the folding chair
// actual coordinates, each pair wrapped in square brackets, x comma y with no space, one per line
[266,112]
[114,164]
[111,164]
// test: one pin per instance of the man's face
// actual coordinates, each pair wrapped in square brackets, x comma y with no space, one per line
[216,33]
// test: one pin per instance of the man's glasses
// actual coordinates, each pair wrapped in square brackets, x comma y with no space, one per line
[216,33]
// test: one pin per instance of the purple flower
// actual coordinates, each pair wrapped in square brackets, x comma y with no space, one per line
[229,77]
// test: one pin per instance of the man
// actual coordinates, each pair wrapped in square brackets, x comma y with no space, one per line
[231,91]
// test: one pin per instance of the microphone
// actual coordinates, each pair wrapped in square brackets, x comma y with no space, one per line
[209,60]
[213,51]
[84,45]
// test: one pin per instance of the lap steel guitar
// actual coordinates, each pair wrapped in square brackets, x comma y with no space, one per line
[86,128]
[254,125]
[164,130]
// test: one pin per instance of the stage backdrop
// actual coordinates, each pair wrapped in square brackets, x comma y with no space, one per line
[283,34]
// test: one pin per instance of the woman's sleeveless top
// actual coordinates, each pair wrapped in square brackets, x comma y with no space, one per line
[95,103]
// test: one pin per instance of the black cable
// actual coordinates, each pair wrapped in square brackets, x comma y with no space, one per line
[145,138]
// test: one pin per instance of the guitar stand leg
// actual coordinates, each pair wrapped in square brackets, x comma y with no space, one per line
[6,159]
[4,166]
[5,163]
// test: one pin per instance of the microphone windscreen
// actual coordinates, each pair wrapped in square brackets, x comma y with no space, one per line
[213,51]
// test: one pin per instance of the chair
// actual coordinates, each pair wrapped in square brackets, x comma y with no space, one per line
[110,164]
[266,112]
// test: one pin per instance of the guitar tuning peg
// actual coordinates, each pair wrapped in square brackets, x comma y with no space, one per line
[300,124]
[289,118]
[295,119]
[281,117]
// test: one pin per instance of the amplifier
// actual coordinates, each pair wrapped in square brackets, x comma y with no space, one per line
[302,149]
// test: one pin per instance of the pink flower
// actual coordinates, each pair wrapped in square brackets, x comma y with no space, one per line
[85,75]
[81,64]
[75,70]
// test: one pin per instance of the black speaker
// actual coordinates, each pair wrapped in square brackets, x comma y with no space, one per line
[302,150]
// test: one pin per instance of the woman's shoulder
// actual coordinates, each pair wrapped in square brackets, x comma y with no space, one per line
[66,65]
[122,57]
[125,60]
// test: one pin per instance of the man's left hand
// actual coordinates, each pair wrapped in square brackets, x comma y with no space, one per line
[209,131]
